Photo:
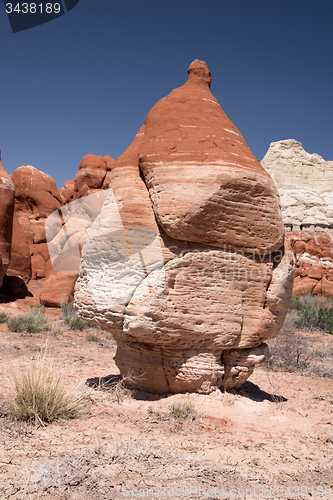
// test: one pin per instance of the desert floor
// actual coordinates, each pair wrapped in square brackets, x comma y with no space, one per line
[271,439]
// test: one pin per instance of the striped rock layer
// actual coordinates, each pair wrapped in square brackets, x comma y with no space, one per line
[186,263]
[304,183]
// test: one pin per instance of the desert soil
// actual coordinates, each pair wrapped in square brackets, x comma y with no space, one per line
[271,439]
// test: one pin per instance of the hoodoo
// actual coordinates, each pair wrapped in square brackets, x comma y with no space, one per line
[186,263]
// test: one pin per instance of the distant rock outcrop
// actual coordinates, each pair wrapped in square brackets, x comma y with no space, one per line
[186,263]
[71,223]
[92,175]
[305,184]
[7,199]
[36,197]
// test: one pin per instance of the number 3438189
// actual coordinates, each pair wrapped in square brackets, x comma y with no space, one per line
[33,8]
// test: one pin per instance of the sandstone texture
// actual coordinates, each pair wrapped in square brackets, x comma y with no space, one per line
[305,185]
[7,200]
[36,197]
[186,263]
[92,175]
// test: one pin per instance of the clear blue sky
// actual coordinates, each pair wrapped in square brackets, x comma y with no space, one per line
[84,82]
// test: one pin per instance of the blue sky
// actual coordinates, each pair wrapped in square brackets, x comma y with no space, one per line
[84,82]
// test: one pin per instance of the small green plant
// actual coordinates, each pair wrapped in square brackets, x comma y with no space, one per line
[316,319]
[3,317]
[295,303]
[313,301]
[34,322]
[92,337]
[39,394]
[108,335]
[182,410]
[72,320]
[56,331]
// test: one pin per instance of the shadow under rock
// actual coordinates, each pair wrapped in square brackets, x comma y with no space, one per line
[253,392]
[103,383]
[13,288]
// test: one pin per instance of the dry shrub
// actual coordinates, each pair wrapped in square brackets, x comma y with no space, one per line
[182,410]
[71,318]
[3,317]
[35,321]
[39,394]
[289,351]
[92,337]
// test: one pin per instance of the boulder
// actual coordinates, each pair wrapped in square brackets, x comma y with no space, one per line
[7,200]
[68,191]
[58,289]
[186,264]
[305,183]
[91,174]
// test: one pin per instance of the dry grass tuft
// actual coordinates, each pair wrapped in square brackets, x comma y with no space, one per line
[182,410]
[3,317]
[39,394]
[71,318]
[35,321]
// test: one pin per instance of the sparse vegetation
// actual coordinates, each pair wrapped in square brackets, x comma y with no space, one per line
[311,312]
[3,317]
[316,319]
[182,410]
[39,394]
[92,337]
[289,351]
[72,319]
[57,331]
[115,385]
[35,321]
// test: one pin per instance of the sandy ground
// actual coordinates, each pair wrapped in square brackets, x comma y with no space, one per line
[271,439]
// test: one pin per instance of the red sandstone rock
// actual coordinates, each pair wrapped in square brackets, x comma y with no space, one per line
[314,260]
[303,286]
[204,182]
[6,219]
[191,299]
[58,289]
[36,197]
[20,264]
[68,191]
[36,193]
[38,267]
[91,175]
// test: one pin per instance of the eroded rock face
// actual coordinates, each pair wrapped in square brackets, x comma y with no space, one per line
[186,263]
[92,175]
[305,184]
[7,200]
[36,197]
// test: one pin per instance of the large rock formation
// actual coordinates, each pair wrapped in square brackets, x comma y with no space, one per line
[7,200]
[186,263]
[305,184]
[36,197]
